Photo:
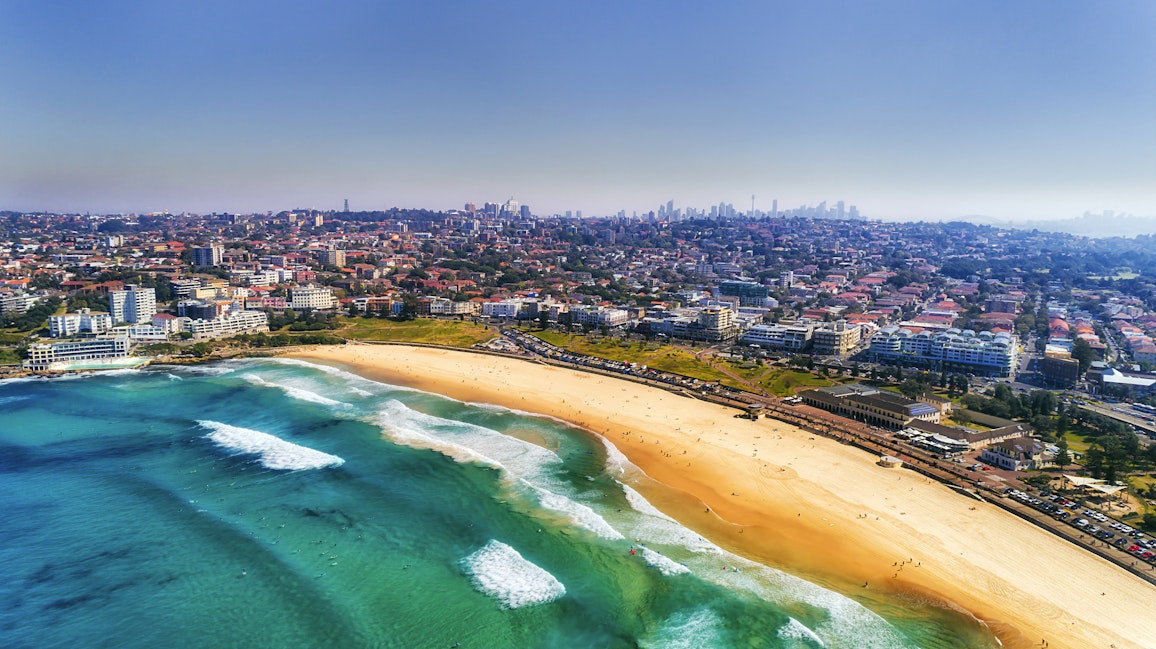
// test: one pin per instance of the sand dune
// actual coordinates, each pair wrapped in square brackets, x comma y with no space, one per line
[812,506]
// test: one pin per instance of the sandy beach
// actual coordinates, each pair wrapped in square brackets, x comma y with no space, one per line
[782,496]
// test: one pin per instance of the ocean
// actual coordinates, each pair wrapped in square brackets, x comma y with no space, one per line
[278,503]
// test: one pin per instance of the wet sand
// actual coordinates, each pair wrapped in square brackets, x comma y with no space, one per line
[811,506]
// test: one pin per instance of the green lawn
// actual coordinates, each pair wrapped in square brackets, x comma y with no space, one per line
[784,382]
[679,360]
[11,337]
[451,333]
[1077,443]
[667,358]
[8,357]
[1142,482]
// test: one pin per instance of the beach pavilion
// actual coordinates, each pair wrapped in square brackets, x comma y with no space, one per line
[1093,484]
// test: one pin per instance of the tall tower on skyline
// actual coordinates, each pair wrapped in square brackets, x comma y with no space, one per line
[347,206]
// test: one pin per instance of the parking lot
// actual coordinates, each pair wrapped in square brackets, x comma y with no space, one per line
[1090,521]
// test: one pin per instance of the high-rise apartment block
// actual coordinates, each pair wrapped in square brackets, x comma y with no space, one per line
[135,304]
[211,255]
[332,257]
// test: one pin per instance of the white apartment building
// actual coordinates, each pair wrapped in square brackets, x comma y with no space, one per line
[503,309]
[44,357]
[985,352]
[311,297]
[598,316]
[141,333]
[16,302]
[83,321]
[134,304]
[712,324]
[254,277]
[171,324]
[787,337]
[444,306]
[184,287]
[230,324]
[837,338]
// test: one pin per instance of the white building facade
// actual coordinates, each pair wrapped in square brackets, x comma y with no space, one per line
[134,304]
[318,298]
[83,321]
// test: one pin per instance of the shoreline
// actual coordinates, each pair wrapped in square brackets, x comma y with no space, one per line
[776,494]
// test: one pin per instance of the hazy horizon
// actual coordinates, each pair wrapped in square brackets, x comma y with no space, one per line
[911,111]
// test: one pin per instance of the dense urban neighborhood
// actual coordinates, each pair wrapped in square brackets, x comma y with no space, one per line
[1021,357]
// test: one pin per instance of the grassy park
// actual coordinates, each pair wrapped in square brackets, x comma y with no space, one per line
[743,375]
[451,333]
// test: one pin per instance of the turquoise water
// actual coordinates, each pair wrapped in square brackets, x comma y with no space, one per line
[274,503]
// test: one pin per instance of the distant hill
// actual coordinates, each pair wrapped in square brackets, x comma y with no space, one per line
[1089,225]
[1094,225]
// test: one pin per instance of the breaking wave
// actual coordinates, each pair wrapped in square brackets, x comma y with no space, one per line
[499,571]
[272,451]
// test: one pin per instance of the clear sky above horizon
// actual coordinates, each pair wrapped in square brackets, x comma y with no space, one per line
[909,109]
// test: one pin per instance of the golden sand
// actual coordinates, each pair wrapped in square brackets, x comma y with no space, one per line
[811,506]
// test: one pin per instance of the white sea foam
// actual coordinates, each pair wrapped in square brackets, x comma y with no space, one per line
[216,369]
[462,441]
[88,374]
[499,571]
[664,564]
[796,630]
[273,452]
[700,629]
[375,387]
[295,392]
[617,464]
[524,463]
[6,400]
[580,514]
[845,618]
[514,411]
[656,527]
[642,505]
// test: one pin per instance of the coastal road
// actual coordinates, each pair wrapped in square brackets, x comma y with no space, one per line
[1109,410]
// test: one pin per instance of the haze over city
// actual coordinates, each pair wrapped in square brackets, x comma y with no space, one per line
[1035,110]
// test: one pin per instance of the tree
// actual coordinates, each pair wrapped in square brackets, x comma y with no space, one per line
[1082,352]
[911,388]
[1063,458]
[1149,522]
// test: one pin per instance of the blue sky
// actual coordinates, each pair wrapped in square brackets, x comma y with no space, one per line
[909,109]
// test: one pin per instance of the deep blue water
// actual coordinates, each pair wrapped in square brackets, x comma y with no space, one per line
[274,503]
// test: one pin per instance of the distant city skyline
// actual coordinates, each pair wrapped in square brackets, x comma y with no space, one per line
[1036,110]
